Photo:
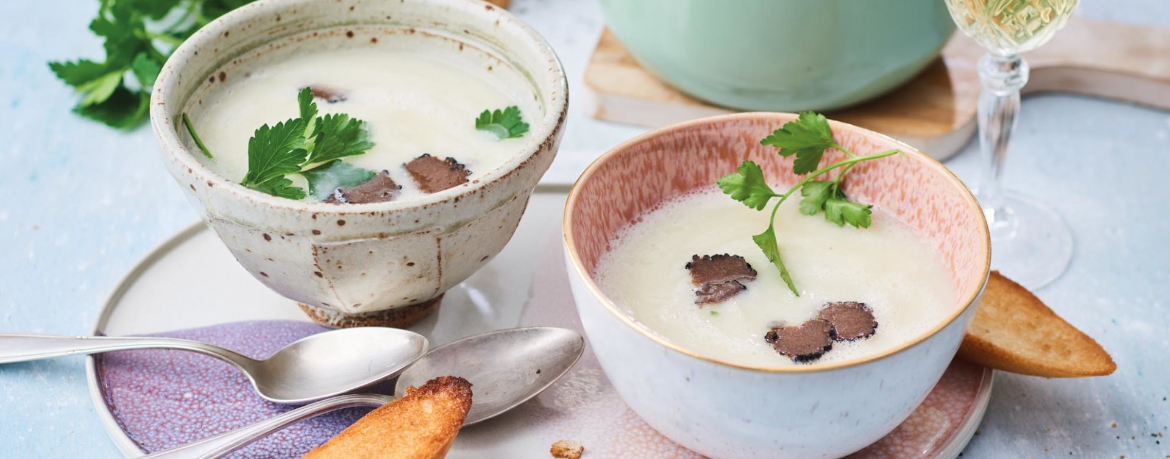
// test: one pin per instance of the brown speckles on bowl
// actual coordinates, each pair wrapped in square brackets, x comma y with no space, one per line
[479,224]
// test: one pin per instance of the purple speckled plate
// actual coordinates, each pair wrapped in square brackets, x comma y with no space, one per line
[157,399]
[162,399]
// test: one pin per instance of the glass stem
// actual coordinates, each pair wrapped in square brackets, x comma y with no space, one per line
[1002,77]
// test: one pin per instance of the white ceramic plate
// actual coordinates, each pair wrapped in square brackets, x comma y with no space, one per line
[526,284]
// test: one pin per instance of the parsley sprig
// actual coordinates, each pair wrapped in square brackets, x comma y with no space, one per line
[138,37]
[504,124]
[807,138]
[310,146]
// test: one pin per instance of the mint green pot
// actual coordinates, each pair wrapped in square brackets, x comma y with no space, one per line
[782,55]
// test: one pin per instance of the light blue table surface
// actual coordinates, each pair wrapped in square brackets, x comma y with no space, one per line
[84,202]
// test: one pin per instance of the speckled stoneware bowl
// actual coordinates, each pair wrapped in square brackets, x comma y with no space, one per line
[366,264]
[730,411]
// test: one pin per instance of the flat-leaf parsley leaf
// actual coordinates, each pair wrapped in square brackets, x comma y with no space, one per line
[338,136]
[505,124]
[748,186]
[274,153]
[807,138]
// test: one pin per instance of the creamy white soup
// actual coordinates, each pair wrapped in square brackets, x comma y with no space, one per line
[897,275]
[418,93]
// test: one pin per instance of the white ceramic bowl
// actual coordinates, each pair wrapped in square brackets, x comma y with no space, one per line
[365,264]
[729,411]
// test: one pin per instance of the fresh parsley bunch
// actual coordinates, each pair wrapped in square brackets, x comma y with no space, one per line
[138,37]
[806,138]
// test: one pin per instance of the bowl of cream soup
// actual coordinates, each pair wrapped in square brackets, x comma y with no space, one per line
[361,158]
[696,325]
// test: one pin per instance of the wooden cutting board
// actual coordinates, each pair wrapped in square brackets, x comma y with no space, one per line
[935,111]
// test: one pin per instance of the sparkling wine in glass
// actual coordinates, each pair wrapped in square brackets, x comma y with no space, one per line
[1030,242]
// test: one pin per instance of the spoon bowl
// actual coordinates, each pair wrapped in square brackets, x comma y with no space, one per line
[505,368]
[335,362]
[310,369]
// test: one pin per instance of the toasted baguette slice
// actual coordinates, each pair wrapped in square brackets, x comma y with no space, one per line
[1014,331]
[420,425]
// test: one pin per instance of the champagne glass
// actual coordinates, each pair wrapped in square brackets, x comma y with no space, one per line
[1030,242]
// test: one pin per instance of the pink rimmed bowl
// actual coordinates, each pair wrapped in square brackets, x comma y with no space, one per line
[366,264]
[729,411]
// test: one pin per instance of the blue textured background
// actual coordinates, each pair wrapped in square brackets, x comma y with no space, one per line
[84,202]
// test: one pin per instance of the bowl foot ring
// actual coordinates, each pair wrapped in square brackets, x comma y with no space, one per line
[397,317]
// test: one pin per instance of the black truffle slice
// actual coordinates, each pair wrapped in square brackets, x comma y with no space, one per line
[381,188]
[805,343]
[328,94]
[433,174]
[850,320]
[717,293]
[719,277]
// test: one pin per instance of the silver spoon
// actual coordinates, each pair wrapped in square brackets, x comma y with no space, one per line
[505,368]
[309,369]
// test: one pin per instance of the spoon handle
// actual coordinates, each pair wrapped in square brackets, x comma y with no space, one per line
[227,442]
[22,348]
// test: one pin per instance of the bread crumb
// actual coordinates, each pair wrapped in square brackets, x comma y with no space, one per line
[567,449]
